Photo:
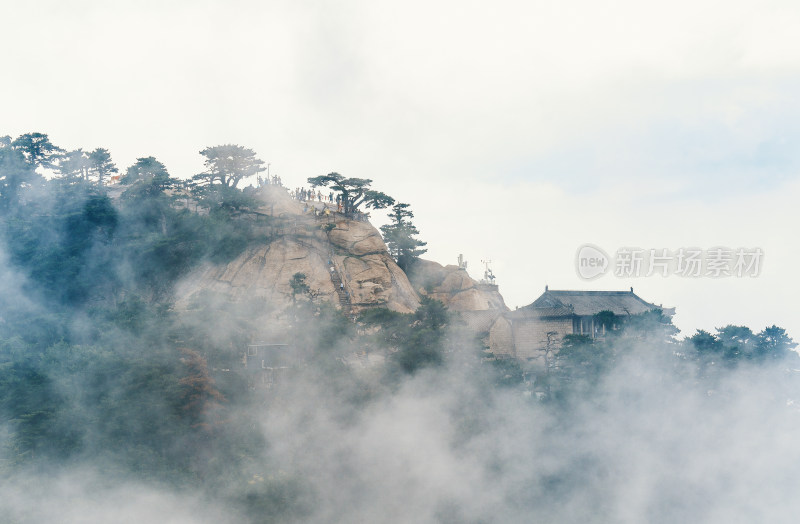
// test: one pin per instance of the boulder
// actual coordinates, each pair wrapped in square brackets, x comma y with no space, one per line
[455,288]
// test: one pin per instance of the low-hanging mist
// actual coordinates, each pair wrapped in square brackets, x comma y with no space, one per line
[446,446]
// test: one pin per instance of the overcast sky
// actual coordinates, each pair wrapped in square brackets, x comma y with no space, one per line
[517,131]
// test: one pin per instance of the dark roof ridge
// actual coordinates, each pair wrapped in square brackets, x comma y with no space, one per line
[590,292]
[590,302]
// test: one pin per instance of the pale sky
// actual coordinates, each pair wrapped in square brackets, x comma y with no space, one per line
[517,131]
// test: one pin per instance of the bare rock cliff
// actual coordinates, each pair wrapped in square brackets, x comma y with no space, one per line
[345,261]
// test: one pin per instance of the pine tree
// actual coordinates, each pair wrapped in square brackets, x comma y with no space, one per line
[100,165]
[399,237]
[228,164]
[38,150]
[74,165]
[353,192]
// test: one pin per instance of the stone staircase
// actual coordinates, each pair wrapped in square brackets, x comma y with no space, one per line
[344,296]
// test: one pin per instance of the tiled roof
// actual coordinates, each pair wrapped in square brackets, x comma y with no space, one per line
[561,303]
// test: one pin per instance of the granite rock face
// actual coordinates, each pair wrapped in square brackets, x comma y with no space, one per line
[479,305]
[303,238]
[346,264]
[455,288]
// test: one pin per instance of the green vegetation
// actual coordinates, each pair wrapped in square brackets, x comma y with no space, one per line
[583,363]
[90,352]
[227,165]
[399,237]
[353,192]
[416,340]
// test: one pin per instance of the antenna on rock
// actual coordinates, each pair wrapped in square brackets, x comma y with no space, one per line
[488,276]
[462,264]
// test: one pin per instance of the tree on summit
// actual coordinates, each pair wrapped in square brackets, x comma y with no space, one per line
[147,176]
[79,165]
[38,150]
[353,192]
[74,165]
[227,165]
[774,343]
[399,237]
[15,174]
[100,165]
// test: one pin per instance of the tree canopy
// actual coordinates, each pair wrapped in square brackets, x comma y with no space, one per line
[74,165]
[100,165]
[732,344]
[38,150]
[15,173]
[227,165]
[399,237]
[149,174]
[417,338]
[353,192]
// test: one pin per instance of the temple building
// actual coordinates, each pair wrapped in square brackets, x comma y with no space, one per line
[529,332]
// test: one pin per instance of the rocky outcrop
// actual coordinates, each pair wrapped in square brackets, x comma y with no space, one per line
[346,264]
[303,238]
[356,238]
[455,288]
[480,306]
